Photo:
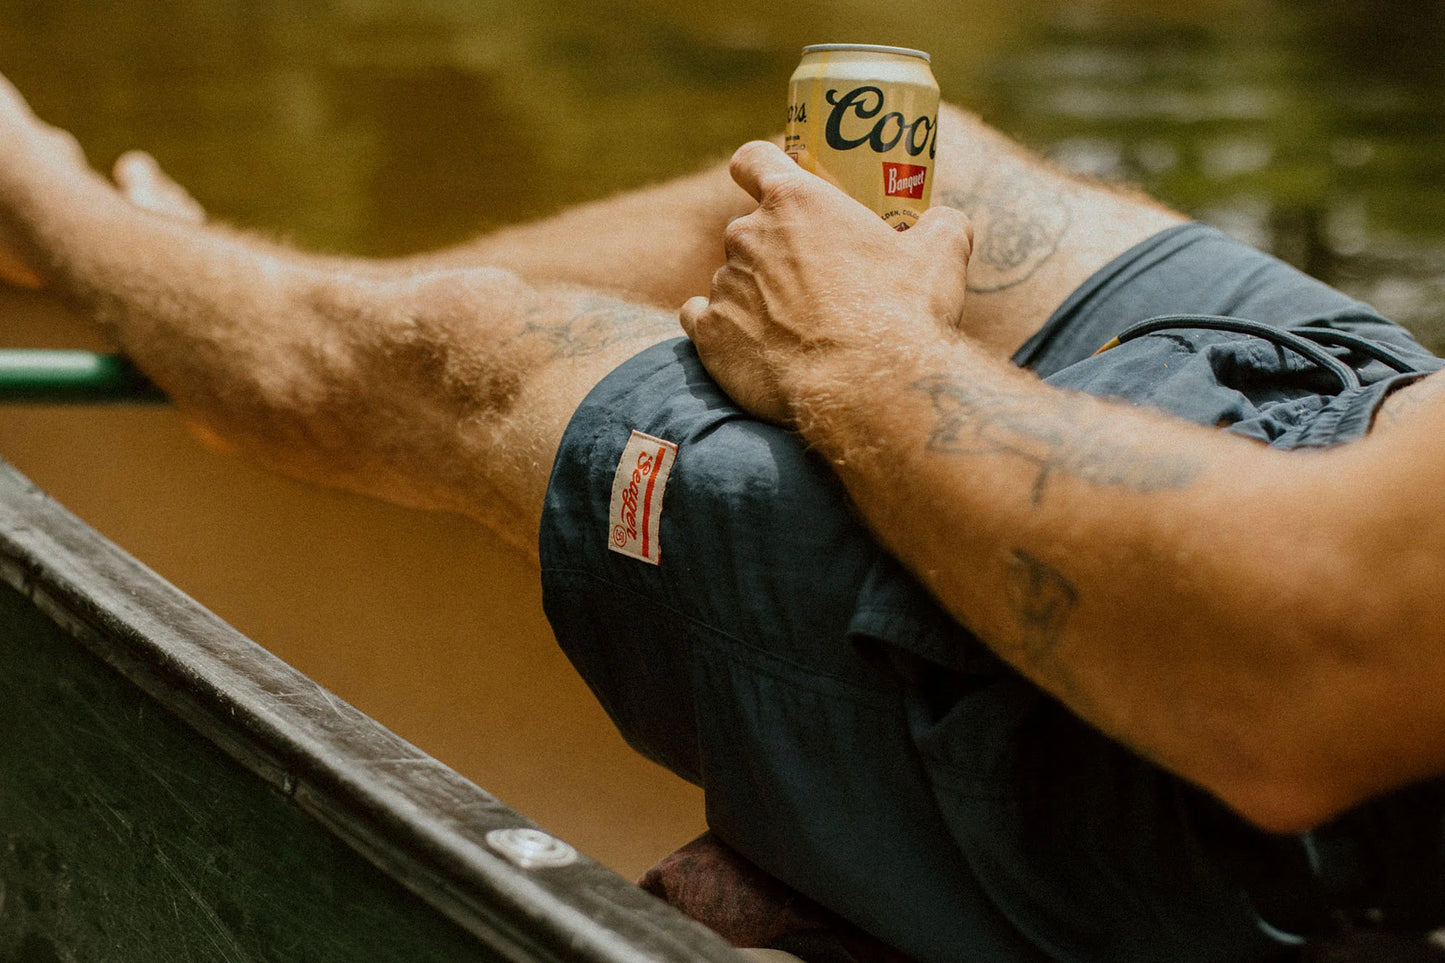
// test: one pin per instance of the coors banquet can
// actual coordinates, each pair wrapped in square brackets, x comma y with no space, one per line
[865,118]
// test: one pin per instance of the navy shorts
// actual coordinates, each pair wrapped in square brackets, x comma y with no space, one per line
[855,741]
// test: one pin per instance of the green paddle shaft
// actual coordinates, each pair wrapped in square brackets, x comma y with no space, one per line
[72,377]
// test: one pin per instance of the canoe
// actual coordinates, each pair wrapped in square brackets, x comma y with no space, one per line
[169,790]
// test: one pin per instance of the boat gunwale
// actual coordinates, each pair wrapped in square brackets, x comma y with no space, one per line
[416,819]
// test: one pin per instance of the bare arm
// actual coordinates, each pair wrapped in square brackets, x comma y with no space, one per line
[1216,605]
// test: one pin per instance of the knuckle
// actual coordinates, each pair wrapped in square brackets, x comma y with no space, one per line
[690,311]
[699,328]
[711,334]
[730,290]
[727,278]
[737,236]
[948,227]
[719,278]
[784,190]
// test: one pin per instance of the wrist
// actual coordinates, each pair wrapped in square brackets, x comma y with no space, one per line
[847,402]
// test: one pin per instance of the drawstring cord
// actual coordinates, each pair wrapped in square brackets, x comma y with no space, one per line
[1307,342]
[1276,336]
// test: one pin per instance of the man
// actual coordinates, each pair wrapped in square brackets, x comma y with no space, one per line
[1211,603]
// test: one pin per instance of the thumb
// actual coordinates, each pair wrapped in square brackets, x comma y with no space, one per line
[760,167]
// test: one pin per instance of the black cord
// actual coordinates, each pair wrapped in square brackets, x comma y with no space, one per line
[1276,336]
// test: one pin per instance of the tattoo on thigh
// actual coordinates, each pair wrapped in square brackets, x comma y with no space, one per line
[597,324]
[1018,224]
[1047,433]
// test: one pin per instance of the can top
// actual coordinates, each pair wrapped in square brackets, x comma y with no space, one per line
[867,48]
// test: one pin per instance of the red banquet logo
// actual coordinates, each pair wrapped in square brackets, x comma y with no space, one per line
[904,180]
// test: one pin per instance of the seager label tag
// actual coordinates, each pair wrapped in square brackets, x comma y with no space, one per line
[637,497]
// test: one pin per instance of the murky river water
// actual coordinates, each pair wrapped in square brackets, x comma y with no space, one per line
[1313,128]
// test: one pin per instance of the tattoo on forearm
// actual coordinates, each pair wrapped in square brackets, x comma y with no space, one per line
[1402,405]
[598,323]
[1050,434]
[1041,599]
[1018,224]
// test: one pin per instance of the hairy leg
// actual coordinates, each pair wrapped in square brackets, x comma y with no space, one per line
[445,381]
[437,388]
[1038,233]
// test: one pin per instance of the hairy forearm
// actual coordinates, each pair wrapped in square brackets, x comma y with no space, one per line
[656,245]
[1192,594]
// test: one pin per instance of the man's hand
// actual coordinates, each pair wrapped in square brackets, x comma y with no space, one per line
[812,272]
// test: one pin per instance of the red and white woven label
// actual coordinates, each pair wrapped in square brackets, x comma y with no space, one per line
[637,497]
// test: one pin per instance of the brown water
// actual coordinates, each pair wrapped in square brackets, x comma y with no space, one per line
[1314,128]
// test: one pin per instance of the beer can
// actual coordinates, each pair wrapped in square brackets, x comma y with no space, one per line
[865,118]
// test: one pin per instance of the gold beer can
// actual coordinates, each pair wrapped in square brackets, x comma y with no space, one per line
[865,118]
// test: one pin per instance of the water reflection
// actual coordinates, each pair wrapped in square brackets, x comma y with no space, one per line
[1312,129]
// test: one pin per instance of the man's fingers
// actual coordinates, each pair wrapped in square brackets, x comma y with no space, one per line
[944,226]
[759,166]
[692,309]
[145,185]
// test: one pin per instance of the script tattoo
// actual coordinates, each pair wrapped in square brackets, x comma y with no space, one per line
[597,324]
[1018,224]
[1046,432]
